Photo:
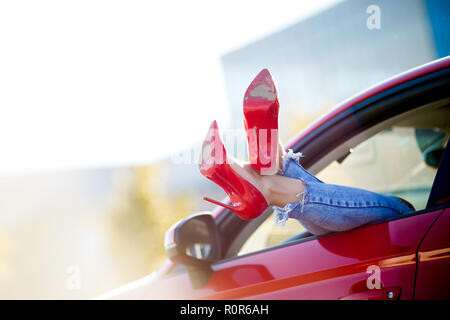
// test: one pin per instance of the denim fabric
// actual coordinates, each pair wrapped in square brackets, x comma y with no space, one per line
[327,207]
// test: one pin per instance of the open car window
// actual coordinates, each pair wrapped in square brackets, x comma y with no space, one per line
[400,160]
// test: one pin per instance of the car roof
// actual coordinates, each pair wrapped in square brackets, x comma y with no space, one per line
[371,91]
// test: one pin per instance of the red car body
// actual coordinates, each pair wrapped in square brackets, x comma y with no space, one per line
[412,253]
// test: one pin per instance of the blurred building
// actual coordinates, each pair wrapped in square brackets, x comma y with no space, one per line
[329,57]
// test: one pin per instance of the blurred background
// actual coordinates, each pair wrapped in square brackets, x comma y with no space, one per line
[104,105]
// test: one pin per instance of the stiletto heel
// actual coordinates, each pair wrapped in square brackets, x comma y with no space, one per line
[261,123]
[232,208]
[248,202]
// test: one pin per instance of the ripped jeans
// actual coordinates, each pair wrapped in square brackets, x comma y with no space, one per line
[326,207]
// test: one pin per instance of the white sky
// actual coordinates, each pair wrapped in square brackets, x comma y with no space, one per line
[104,83]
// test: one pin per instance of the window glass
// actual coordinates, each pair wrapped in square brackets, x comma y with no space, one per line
[391,162]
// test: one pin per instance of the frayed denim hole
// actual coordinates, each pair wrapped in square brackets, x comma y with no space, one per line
[294,156]
[282,214]
[306,196]
[291,156]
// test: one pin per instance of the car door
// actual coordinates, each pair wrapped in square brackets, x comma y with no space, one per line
[372,262]
[365,263]
[432,281]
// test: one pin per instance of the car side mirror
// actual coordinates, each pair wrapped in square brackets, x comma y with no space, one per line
[195,243]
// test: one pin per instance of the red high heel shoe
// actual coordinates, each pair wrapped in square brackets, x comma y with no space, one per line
[261,123]
[248,201]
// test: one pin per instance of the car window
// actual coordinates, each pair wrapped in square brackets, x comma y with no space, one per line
[392,162]
[400,161]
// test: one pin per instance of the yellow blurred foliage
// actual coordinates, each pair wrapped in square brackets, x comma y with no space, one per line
[143,214]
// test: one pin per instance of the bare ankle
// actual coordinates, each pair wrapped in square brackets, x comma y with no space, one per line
[279,190]
[270,190]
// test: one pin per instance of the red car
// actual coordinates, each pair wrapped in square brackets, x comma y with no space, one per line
[392,139]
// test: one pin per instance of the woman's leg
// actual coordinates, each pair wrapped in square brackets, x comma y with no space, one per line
[322,207]
[318,206]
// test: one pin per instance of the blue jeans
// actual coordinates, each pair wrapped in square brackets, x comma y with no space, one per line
[326,207]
